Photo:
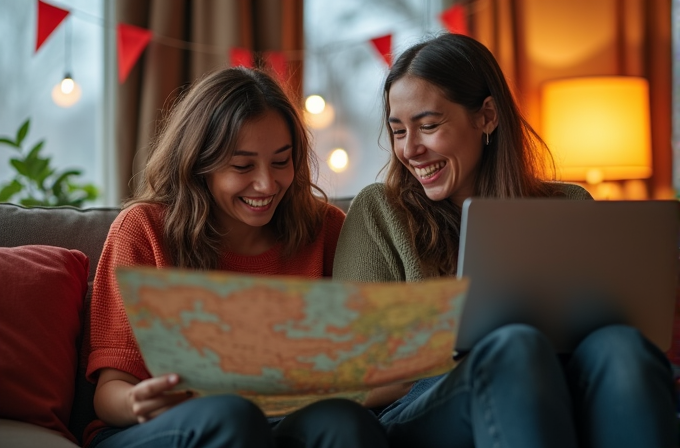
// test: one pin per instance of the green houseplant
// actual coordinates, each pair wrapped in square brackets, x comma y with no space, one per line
[36,182]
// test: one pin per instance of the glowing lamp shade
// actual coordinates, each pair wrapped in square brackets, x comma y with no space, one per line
[597,128]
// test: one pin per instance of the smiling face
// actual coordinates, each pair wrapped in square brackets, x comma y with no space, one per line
[437,140]
[251,184]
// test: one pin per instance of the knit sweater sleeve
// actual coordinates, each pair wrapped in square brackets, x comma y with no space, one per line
[134,239]
[373,244]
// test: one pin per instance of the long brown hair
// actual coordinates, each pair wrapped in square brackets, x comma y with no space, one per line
[198,137]
[513,164]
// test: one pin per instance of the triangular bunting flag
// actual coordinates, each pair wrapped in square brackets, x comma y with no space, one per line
[132,40]
[49,18]
[241,57]
[384,46]
[277,61]
[455,20]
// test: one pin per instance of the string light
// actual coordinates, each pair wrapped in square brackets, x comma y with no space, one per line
[67,92]
[321,120]
[338,160]
[318,114]
[315,104]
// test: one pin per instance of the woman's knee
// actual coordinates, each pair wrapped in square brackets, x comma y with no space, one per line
[614,344]
[331,422]
[215,421]
[515,343]
[223,410]
[618,351]
[341,412]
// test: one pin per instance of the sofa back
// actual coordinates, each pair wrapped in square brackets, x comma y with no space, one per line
[68,227]
[71,228]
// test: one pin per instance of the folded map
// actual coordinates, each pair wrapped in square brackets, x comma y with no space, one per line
[284,341]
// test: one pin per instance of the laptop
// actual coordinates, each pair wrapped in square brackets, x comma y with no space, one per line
[568,267]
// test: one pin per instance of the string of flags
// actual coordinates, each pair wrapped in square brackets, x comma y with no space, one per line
[133,40]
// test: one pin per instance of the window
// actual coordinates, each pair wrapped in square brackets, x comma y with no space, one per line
[343,67]
[74,136]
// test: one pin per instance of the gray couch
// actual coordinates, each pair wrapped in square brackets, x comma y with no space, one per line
[71,228]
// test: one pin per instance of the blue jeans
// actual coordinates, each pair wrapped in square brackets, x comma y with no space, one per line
[614,391]
[229,421]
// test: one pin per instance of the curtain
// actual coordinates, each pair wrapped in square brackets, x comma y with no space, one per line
[190,38]
[538,40]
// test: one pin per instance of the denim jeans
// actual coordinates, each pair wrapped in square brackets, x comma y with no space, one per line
[229,421]
[614,391]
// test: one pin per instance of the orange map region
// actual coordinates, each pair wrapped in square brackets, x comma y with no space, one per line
[250,343]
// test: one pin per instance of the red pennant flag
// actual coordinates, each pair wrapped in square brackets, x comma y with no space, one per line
[241,57]
[384,46]
[132,40]
[277,61]
[49,18]
[455,20]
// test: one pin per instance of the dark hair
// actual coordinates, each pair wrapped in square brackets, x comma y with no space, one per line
[512,165]
[197,138]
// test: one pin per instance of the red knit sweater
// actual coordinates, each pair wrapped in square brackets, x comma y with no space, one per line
[136,238]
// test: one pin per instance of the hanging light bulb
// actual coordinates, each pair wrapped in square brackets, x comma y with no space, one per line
[338,160]
[67,92]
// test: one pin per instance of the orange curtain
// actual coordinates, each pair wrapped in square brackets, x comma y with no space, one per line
[538,40]
[191,37]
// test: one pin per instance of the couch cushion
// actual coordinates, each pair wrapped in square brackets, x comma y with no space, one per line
[41,299]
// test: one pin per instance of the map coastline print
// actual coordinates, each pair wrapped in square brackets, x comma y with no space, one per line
[285,341]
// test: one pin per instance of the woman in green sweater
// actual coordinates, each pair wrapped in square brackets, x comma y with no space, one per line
[456,132]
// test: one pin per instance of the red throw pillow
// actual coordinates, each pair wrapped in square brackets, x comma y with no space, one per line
[42,289]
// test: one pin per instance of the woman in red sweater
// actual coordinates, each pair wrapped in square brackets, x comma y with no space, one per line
[227,186]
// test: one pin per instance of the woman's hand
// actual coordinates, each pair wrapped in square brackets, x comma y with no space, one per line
[154,396]
[123,400]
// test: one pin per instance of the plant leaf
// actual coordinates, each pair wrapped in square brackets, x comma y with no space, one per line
[36,168]
[9,190]
[91,191]
[33,202]
[20,166]
[64,177]
[23,130]
[9,142]
[44,174]
[33,154]
[33,172]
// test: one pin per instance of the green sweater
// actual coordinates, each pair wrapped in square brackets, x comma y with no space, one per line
[374,245]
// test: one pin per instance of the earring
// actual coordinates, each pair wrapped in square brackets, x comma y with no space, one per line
[487,138]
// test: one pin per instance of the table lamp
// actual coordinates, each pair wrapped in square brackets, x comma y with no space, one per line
[597,129]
